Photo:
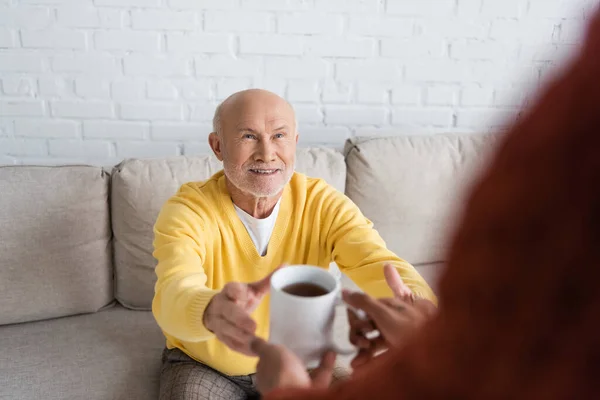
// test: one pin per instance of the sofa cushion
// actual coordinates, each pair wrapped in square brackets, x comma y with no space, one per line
[113,354]
[410,187]
[55,257]
[140,188]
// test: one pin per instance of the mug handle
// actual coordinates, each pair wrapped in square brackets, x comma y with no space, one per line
[360,314]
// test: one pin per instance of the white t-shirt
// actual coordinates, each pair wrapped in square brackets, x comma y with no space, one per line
[260,230]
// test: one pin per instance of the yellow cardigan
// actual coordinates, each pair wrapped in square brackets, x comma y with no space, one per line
[201,244]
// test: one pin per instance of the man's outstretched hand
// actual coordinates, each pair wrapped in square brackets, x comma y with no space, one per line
[228,313]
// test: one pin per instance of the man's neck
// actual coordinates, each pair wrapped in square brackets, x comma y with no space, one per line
[257,207]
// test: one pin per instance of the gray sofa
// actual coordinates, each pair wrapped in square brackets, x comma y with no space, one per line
[76,269]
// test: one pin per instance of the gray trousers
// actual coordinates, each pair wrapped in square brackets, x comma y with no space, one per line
[183,378]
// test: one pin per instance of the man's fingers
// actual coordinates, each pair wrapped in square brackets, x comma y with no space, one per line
[237,316]
[236,292]
[260,288]
[395,282]
[259,346]
[232,331]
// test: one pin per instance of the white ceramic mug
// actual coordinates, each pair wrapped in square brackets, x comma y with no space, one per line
[305,324]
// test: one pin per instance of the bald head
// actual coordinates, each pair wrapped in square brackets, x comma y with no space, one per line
[251,101]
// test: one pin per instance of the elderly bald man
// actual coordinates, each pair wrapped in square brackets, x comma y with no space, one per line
[218,241]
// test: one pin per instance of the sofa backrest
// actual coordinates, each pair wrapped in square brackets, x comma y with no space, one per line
[140,188]
[411,187]
[55,257]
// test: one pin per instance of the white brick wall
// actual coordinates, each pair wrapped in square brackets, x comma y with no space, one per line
[97,81]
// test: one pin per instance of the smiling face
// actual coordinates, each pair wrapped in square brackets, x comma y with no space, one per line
[256,141]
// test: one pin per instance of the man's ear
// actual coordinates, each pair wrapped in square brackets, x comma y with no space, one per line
[297,136]
[216,145]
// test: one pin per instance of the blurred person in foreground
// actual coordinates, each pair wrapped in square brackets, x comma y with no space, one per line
[519,308]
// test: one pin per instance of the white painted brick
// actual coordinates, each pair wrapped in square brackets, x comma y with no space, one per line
[160,65]
[272,84]
[469,9]
[310,24]
[7,127]
[7,160]
[129,3]
[452,28]
[164,19]
[198,43]
[476,50]
[161,90]
[512,97]
[203,4]
[54,39]
[413,48]
[124,40]
[78,148]
[381,26]
[152,111]
[147,149]
[294,68]
[477,96]
[308,114]
[531,31]
[348,6]
[337,92]
[21,108]
[271,44]
[552,9]
[90,88]
[24,147]
[23,17]
[115,129]
[194,149]
[87,63]
[199,89]
[406,94]
[78,16]
[43,128]
[53,86]
[80,109]
[112,18]
[228,86]
[277,5]
[453,71]
[484,118]
[420,7]
[441,95]
[372,93]
[355,115]
[163,131]
[341,47]
[245,22]
[571,32]
[203,112]
[303,91]
[374,70]
[226,65]
[8,38]
[18,86]
[422,117]
[503,9]
[323,135]
[128,90]
[19,62]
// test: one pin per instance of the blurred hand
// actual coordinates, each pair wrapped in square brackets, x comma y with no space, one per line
[228,313]
[278,367]
[390,321]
